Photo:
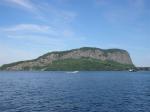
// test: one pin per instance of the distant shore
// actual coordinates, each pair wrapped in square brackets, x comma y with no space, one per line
[143,68]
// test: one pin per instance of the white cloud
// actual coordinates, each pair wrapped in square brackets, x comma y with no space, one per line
[57,20]
[27,27]
[30,29]
[44,10]
[39,35]
[23,4]
[56,14]
[36,30]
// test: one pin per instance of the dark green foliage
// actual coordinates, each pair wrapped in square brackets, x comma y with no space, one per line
[86,64]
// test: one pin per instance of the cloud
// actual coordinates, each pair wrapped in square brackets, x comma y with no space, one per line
[27,27]
[44,11]
[57,20]
[26,4]
[36,30]
[39,35]
[56,14]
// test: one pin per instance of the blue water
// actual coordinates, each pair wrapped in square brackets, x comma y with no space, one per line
[81,92]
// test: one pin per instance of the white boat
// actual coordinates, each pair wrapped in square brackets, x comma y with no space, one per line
[132,70]
[73,72]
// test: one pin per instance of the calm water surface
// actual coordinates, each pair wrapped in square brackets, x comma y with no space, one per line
[81,92]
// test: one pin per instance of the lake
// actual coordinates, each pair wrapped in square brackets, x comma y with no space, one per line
[80,92]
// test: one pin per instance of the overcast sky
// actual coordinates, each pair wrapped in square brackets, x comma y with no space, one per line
[30,28]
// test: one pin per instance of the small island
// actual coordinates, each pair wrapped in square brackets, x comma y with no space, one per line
[81,59]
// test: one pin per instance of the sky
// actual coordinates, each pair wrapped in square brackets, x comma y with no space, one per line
[30,28]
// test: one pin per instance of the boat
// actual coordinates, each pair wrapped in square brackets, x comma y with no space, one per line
[73,72]
[132,70]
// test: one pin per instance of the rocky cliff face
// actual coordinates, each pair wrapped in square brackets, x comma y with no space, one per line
[115,55]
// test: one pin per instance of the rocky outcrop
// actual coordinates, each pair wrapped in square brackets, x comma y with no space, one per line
[115,55]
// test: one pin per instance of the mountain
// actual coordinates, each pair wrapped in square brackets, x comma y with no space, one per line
[85,58]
